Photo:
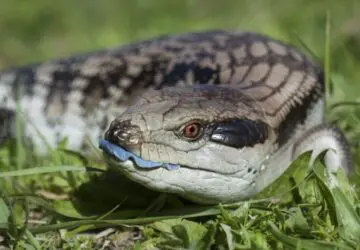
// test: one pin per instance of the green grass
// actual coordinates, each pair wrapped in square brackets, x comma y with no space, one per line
[51,202]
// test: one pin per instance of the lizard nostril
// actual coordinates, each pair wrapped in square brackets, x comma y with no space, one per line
[124,134]
[116,135]
[120,135]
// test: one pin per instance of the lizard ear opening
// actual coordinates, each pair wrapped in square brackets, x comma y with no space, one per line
[239,133]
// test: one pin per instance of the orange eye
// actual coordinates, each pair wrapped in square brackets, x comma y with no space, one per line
[192,130]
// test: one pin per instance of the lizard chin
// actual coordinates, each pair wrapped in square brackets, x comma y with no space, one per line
[197,185]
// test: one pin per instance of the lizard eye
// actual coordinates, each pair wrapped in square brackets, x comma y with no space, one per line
[192,130]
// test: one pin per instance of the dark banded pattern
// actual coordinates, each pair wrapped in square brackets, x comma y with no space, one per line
[216,57]
[142,94]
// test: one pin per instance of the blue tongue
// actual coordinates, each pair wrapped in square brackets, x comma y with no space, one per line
[123,155]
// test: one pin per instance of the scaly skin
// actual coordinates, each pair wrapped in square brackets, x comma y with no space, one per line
[262,80]
[79,95]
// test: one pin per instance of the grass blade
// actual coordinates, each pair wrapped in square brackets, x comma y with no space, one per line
[41,170]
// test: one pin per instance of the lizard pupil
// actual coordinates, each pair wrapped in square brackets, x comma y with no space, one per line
[192,130]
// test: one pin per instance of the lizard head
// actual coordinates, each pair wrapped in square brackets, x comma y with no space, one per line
[206,143]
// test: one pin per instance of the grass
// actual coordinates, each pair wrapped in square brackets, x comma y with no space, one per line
[71,201]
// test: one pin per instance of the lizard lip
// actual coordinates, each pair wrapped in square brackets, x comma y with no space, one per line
[122,155]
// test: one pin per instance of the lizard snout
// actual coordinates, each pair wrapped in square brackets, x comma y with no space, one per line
[124,134]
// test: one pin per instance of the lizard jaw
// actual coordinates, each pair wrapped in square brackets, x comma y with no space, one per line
[122,155]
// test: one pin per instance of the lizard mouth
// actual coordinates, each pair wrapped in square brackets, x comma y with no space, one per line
[122,155]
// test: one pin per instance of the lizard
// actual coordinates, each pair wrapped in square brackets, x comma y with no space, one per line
[214,116]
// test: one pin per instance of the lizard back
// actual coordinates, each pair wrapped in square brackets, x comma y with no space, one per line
[76,97]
